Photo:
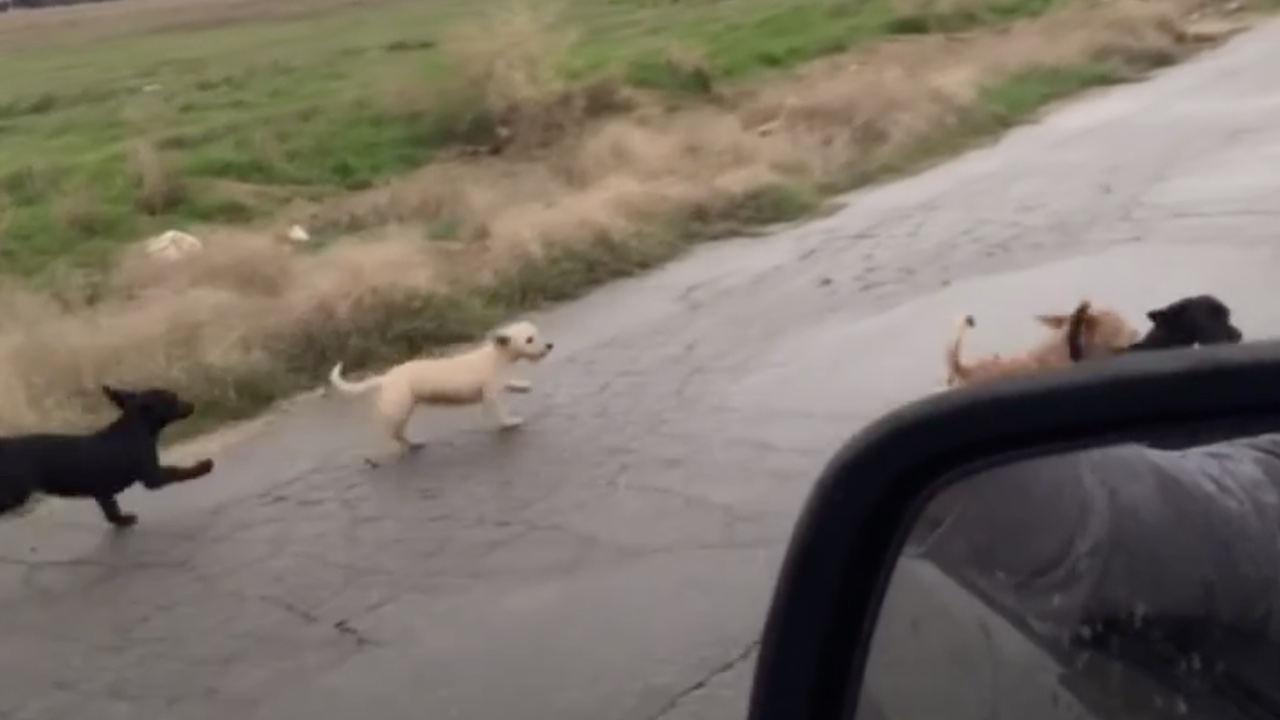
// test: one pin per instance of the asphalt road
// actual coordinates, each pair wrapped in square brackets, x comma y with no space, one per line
[612,560]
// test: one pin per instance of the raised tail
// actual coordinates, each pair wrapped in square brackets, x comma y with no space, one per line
[956,369]
[351,388]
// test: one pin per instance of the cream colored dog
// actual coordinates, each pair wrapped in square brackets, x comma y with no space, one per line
[475,376]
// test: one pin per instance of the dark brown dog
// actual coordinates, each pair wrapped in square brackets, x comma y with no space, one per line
[1191,321]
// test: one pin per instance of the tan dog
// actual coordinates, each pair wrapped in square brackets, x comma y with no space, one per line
[1101,332]
[476,376]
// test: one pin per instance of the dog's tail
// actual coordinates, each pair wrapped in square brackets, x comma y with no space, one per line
[1075,331]
[347,387]
[956,369]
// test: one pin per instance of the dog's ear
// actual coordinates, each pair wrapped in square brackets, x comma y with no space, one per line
[502,339]
[1158,316]
[1055,321]
[1082,314]
[118,398]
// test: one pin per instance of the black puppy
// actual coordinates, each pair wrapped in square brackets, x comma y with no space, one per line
[100,465]
[1195,320]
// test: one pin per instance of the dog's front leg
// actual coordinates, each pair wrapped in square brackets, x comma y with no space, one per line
[112,512]
[491,400]
[168,475]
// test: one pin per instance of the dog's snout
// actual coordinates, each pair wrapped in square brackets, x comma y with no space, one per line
[1229,335]
[550,346]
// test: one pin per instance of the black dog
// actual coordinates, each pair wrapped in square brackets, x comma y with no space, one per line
[103,464]
[1191,321]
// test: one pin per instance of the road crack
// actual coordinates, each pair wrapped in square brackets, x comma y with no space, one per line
[343,626]
[720,670]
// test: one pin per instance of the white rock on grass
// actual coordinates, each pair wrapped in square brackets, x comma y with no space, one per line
[172,245]
[298,234]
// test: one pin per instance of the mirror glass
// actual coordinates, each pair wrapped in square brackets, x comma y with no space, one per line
[1118,582]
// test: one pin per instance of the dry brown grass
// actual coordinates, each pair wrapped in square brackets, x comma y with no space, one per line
[506,74]
[242,303]
[158,186]
[508,58]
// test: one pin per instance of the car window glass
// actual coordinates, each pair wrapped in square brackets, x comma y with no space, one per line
[1120,582]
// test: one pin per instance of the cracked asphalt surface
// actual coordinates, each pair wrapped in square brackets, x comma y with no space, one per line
[613,559]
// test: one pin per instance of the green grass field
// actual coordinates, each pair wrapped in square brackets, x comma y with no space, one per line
[119,127]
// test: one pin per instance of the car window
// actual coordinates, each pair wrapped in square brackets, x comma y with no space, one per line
[1117,582]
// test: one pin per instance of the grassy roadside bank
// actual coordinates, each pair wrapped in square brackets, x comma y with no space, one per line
[251,323]
[152,113]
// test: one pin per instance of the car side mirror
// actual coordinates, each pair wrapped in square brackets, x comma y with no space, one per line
[1101,542]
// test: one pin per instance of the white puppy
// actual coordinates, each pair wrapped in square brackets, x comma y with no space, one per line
[478,375]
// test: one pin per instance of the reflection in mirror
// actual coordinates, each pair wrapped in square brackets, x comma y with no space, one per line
[1120,582]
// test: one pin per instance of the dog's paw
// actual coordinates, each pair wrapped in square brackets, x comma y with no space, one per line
[204,467]
[124,520]
[519,386]
[511,423]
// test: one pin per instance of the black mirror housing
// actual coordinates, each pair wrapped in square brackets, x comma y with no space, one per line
[843,548]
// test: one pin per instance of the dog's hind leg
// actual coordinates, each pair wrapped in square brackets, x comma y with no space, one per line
[394,425]
[393,413]
[16,502]
[112,512]
[397,429]
[17,493]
